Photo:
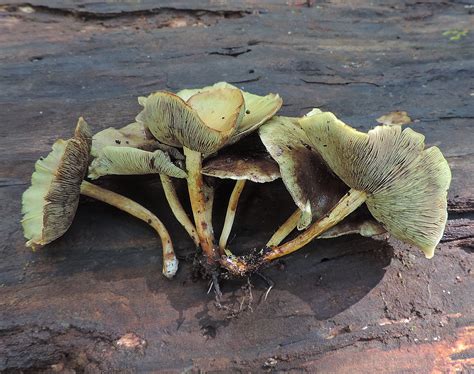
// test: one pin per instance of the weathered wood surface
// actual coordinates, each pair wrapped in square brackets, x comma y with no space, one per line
[95,300]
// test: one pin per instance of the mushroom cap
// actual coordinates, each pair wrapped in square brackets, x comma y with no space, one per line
[311,184]
[394,118]
[132,161]
[221,109]
[258,109]
[50,203]
[133,135]
[257,167]
[406,184]
[203,124]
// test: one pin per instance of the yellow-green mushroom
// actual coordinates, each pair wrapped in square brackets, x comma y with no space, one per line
[132,135]
[203,121]
[256,167]
[50,203]
[258,109]
[403,184]
[133,161]
[311,184]
[308,180]
[133,150]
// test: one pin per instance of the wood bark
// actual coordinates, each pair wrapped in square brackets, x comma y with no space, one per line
[95,300]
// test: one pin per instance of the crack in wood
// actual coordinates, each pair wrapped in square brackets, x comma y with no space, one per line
[246,80]
[346,83]
[105,275]
[231,52]
[86,15]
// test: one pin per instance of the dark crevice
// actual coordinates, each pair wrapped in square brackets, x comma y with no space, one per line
[86,15]
[445,118]
[460,207]
[338,83]
[370,338]
[12,184]
[231,52]
[182,56]
[246,80]
[461,215]
[461,237]
[457,117]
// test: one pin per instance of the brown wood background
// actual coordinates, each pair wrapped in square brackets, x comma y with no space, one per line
[95,301]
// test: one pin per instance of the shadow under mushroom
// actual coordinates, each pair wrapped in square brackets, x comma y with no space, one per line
[322,280]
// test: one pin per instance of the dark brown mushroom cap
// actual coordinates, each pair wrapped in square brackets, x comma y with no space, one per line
[311,184]
[257,167]
[50,203]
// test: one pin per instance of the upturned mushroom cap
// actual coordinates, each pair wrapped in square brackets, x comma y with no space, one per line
[204,123]
[133,135]
[406,184]
[358,222]
[258,109]
[256,167]
[131,161]
[50,203]
[313,187]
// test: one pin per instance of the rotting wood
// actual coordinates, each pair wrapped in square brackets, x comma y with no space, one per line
[96,300]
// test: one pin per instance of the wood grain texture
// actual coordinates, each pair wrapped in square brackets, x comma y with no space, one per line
[95,300]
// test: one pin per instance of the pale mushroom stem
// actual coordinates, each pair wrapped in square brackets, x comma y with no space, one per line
[348,203]
[230,214]
[177,208]
[199,203]
[170,263]
[285,229]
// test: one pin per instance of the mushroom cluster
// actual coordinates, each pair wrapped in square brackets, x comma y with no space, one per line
[341,180]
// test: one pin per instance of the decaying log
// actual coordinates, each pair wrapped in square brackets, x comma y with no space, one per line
[95,300]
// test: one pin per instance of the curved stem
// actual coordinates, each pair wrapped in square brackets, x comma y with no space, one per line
[230,214]
[199,203]
[348,203]
[170,263]
[177,208]
[284,230]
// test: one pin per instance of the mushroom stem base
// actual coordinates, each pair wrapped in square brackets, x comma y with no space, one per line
[241,266]
[170,262]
